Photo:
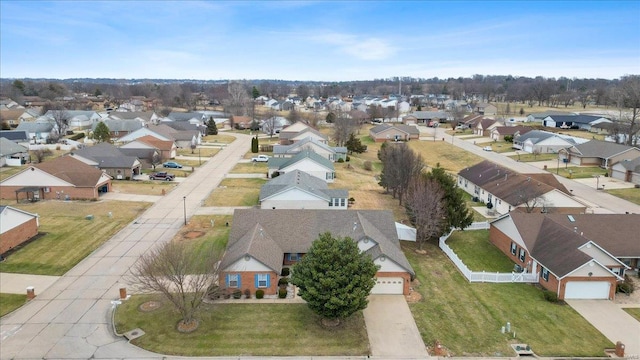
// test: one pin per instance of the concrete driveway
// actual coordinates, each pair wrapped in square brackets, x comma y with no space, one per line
[613,322]
[393,333]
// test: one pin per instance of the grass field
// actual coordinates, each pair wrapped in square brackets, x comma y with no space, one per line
[632,194]
[478,253]
[66,236]
[526,157]
[244,330]
[146,187]
[220,138]
[10,302]
[250,168]
[236,192]
[579,172]
[204,152]
[635,312]
[466,317]
[450,157]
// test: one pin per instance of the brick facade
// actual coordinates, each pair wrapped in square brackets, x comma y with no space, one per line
[247,281]
[18,235]
[406,276]
[55,192]
[611,280]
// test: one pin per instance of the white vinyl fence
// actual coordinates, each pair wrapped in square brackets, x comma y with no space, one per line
[482,276]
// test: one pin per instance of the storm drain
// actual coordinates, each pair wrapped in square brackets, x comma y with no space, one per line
[134,334]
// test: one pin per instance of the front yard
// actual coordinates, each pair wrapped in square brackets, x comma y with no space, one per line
[236,192]
[10,302]
[579,172]
[466,318]
[146,187]
[631,194]
[527,157]
[67,236]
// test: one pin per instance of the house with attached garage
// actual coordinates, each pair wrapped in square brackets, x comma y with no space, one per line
[544,142]
[485,126]
[583,122]
[424,117]
[386,132]
[299,131]
[580,256]
[110,159]
[310,143]
[485,109]
[599,153]
[498,133]
[37,131]
[166,148]
[16,227]
[627,170]
[263,242]
[307,161]
[59,178]
[299,190]
[12,154]
[119,128]
[507,190]
[539,117]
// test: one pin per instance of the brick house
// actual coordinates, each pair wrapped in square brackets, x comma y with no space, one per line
[16,227]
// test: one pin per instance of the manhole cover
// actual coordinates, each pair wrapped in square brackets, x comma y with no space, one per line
[134,334]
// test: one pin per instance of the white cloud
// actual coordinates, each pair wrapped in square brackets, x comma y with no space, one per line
[360,47]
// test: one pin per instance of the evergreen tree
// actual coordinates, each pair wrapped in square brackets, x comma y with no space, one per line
[354,145]
[334,277]
[212,128]
[458,214]
[255,93]
[102,133]
[254,144]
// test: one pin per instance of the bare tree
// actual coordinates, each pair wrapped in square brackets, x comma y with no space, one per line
[156,159]
[181,274]
[238,99]
[60,119]
[40,154]
[628,99]
[400,164]
[426,208]
[343,126]
[528,196]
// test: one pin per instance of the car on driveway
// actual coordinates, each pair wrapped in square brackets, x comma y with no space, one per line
[162,175]
[260,158]
[172,164]
[487,148]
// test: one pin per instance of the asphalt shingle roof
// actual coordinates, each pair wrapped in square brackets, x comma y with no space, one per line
[601,149]
[280,163]
[300,180]
[8,147]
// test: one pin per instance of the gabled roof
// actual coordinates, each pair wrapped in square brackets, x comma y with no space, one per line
[131,115]
[280,163]
[106,156]
[486,123]
[288,134]
[300,180]
[576,119]
[11,114]
[8,147]
[600,149]
[286,149]
[511,130]
[35,127]
[185,116]
[71,170]
[120,125]
[256,243]
[166,129]
[157,143]
[408,129]
[544,114]
[537,136]
[295,230]
[631,165]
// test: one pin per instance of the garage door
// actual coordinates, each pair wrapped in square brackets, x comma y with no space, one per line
[587,290]
[388,285]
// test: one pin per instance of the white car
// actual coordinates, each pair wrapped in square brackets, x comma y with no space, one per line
[487,148]
[260,158]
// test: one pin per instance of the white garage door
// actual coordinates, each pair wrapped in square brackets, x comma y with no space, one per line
[388,285]
[587,290]
[528,148]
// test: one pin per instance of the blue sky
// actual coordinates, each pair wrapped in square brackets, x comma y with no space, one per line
[324,41]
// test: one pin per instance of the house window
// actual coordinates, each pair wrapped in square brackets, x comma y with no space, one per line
[544,273]
[476,190]
[489,198]
[233,280]
[466,182]
[460,180]
[293,257]
[343,202]
[522,256]
[331,202]
[262,280]
[514,248]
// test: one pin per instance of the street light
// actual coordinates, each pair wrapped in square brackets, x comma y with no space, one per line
[199,158]
[184,207]
[597,181]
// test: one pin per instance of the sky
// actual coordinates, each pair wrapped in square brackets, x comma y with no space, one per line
[318,41]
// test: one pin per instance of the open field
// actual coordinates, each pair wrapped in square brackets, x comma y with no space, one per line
[450,157]
[236,192]
[66,236]
[632,194]
[467,317]
[146,187]
[478,253]
[244,330]
[10,302]
[516,106]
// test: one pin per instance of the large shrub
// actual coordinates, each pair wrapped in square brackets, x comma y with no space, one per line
[550,296]
[259,294]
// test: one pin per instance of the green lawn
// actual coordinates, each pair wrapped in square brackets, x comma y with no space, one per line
[236,192]
[467,317]
[244,330]
[526,157]
[632,194]
[578,172]
[67,236]
[635,312]
[220,138]
[478,253]
[10,302]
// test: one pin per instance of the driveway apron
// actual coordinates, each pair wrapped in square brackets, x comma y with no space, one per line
[613,322]
[393,333]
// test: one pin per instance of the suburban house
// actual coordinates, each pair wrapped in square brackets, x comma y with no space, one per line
[17,136]
[145,117]
[184,134]
[299,190]
[577,256]
[166,148]
[499,132]
[599,153]
[190,117]
[507,190]
[118,127]
[37,131]
[485,109]
[539,117]
[59,178]
[241,122]
[307,161]
[263,242]
[11,116]
[583,122]
[109,158]
[76,119]
[544,142]
[273,125]
[424,117]
[399,132]
[485,126]
[144,131]
[16,227]
[471,121]
[311,143]
[299,131]
[627,170]
[12,154]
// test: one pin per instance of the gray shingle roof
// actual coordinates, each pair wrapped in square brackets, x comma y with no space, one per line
[631,165]
[14,135]
[120,125]
[35,127]
[8,147]
[293,231]
[107,156]
[299,145]
[280,163]
[300,180]
[601,149]
[576,119]
[180,116]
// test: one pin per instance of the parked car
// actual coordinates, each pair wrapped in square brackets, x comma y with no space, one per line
[260,158]
[487,148]
[172,164]
[162,175]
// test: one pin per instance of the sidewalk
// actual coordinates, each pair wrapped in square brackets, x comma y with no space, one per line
[17,283]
